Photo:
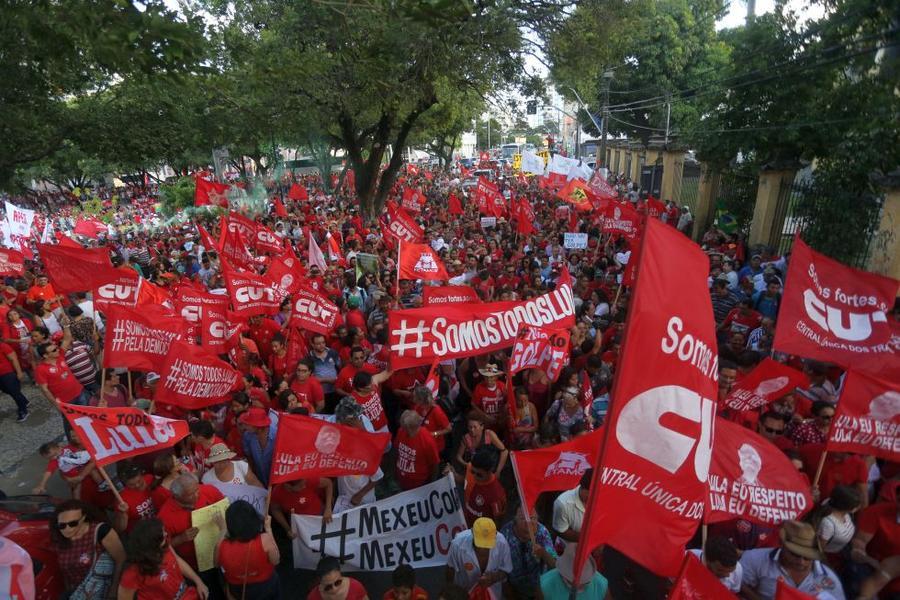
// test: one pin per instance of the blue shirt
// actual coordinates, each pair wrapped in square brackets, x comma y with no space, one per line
[526,567]
[326,367]
[261,458]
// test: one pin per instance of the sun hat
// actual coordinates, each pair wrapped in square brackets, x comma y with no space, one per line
[801,539]
[218,453]
[484,533]
[490,370]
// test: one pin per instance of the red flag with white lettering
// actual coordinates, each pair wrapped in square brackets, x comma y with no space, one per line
[867,420]
[540,348]
[308,447]
[12,263]
[412,199]
[121,286]
[74,269]
[139,338]
[251,294]
[113,434]
[696,582]
[621,219]
[785,591]
[313,311]
[769,381]
[233,246]
[750,478]
[419,261]
[655,461]
[220,329]
[265,240]
[834,313]
[601,188]
[192,377]
[435,295]
[554,468]
[285,273]
[402,226]
[192,302]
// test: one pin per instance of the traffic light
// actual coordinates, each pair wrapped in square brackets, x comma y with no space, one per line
[531,107]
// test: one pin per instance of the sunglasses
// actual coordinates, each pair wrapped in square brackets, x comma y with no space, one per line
[62,525]
[774,431]
[826,417]
[327,587]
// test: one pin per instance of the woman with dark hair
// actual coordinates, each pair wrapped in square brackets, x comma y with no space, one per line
[155,570]
[334,585]
[166,469]
[89,551]
[248,554]
[83,328]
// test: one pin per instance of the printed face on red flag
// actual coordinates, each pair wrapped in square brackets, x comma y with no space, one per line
[555,468]
[750,478]
[656,459]
[250,294]
[540,348]
[412,200]
[309,447]
[621,219]
[313,311]
[696,582]
[12,263]
[193,378]
[867,420]
[834,313]
[436,295]
[139,338]
[402,226]
[769,381]
[74,269]
[419,261]
[419,336]
[285,274]
[113,434]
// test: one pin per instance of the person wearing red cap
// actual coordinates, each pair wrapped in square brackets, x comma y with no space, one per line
[259,441]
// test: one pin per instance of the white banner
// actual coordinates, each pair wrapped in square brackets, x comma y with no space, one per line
[414,528]
[561,164]
[575,241]
[580,171]
[488,222]
[532,163]
[256,496]
[19,219]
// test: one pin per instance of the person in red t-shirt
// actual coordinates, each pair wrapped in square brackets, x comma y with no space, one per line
[307,388]
[840,468]
[301,497]
[366,394]
[334,585]
[281,364]
[740,319]
[489,398]
[434,419]
[187,495]
[135,494]
[417,453]
[354,316]
[53,376]
[11,377]
[403,585]
[877,543]
[484,495]
[262,330]
[356,363]
[155,569]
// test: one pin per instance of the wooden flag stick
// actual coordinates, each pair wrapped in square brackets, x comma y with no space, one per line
[815,483]
[110,484]
[526,510]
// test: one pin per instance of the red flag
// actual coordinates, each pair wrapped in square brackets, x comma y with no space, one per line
[655,462]
[206,240]
[434,295]
[313,311]
[419,261]
[308,447]
[298,192]
[241,224]
[90,227]
[65,241]
[192,303]
[192,377]
[139,338]
[785,591]
[210,192]
[334,248]
[12,263]
[524,214]
[251,294]
[769,381]
[113,434]
[412,199]
[233,246]
[867,420]
[419,336]
[655,208]
[576,193]
[120,286]
[402,226]
[487,195]
[285,273]
[838,314]
[601,188]
[552,182]
[554,468]
[220,329]
[621,219]
[265,240]
[455,206]
[433,380]
[750,478]
[696,582]
[540,348]
[278,205]
[74,269]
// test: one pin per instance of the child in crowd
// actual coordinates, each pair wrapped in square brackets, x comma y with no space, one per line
[404,586]
[74,464]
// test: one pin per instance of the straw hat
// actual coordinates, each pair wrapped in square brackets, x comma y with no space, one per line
[490,370]
[218,453]
[801,539]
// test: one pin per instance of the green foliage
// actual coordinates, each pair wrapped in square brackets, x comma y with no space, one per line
[176,196]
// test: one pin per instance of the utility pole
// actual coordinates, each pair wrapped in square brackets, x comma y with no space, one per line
[668,115]
[489,133]
[601,156]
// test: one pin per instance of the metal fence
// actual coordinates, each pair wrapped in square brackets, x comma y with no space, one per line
[736,196]
[690,186]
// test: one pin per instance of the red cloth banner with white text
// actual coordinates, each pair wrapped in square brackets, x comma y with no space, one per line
[867,419]
[402,226]
[12,263]
[139,338]
[419,336]
[696,582]
[419,261]
[220,329]
[113,434]
[769,381]
[834,313]
[412,199]
[554,468]
[621,219]
[437,295]
[750,478]
[192,302]
[649,495]
[313,311]
[250,294]
[540,348]
[307,447]
[192,377]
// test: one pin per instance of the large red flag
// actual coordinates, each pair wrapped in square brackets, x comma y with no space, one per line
[576,193]
[278,206]
[313,311]
[113,434]
[298,192]
[90,227]
[220,329]
[696,582]
[601,188]
[454,205]
[785,591]
[209,192]
[554,468]
[524,214]
[769,381]
[309,447]
[838,314]
[402,226]
[621,219]
[751,479]
[139,338]
[487,195]
[233,247]
[251,294]
[867,420]
[540,348]
[120,286]
[265,240]
[419,261]
[433,295]
[649,492]
[192,377]
[285,273]
[412,199]
[12,263]
[74,269]
[192,302]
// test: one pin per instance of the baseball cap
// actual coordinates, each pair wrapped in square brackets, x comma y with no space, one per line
[484,533]
[152,376]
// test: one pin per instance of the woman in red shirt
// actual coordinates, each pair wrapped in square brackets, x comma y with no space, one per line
[334,585]
[155,569]
[307,387]
[248,554]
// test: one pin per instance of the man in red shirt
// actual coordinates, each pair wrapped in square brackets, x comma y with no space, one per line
[878,538]
[55,379]
[354,316]
[484,496]
[262,330]
[357,362]
[366,394]
[840,468]
[42,290]
[489,398]
[11,378]
[301,497]
[417,452]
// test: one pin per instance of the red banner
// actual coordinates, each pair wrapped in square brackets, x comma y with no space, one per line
[696,582]
[220,329]
[113,434]
[265,240]
[576,193]
[621,219]
[233,246]
[419,261]
[769,381]
[750,478]
[12,263]
[313,311]
[193,378]
[278,208]
[419,336]
[139,339]
[540,348]
[601,188]
[309,447]
[524,215]
[867,420]
[251,294]
[837,314]
[554,468]
[285,273]
[74,269]
[402,226]
[412,199]
[487,197]
[210,192]
[437,295]
[656,456]
[191,303]
[454,205]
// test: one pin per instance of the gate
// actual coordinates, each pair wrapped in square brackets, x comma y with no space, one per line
[690,186]
[651,178]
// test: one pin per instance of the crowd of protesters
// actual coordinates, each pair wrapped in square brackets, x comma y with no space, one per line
[848,546]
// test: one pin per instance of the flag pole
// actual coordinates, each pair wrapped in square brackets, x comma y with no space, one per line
[815,482]
[526,510]
[102,383]
[397,285]
[110,484]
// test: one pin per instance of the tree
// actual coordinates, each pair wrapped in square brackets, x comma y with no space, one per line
[440,129]
[487,136]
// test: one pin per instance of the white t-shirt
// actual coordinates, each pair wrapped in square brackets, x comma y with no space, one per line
[349,485]
[837,532]
[568,511]
[464,562]
[239,478]
[733,581]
